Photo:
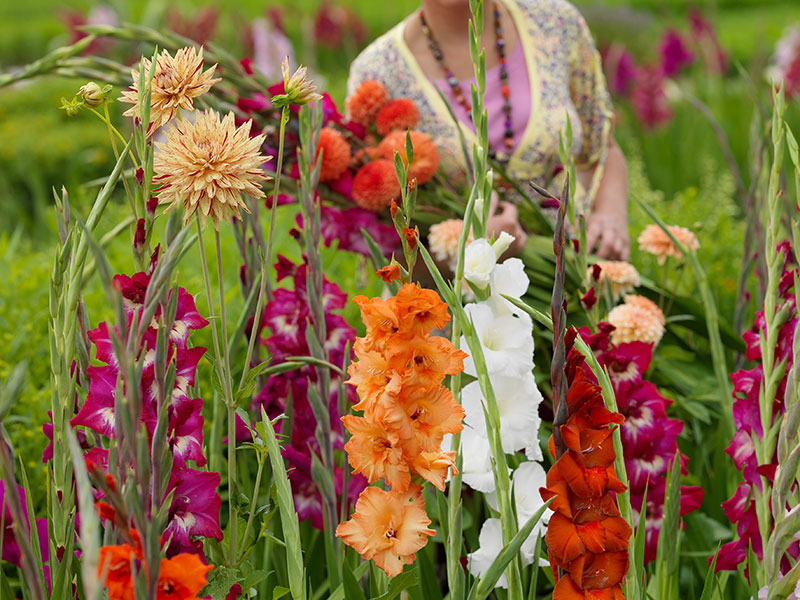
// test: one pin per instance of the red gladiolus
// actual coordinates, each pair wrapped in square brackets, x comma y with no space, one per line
[587,540]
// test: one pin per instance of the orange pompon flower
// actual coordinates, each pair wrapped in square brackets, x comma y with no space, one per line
[365,102]
[655,241]
[181,577]
[426,158]
[400,113]
[375,185]
[389,273]
[176,82]
[336,154]
[388,527]
[586,538]
[638,320]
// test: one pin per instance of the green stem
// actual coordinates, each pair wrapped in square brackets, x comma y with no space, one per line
[279,167]
[231,405]
[261,460]
[223,374]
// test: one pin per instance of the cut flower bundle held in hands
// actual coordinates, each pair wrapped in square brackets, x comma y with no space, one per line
[262,416]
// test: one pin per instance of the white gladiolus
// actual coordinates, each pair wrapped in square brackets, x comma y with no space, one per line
[505,339]
[479,261]
[502,243]
[508,279]
[476,468]
[518,401]
[491,544]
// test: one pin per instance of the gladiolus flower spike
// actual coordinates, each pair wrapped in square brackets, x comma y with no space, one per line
[587,539]
[406,414]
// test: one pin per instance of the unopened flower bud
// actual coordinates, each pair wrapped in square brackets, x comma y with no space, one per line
[139,236]
[297,88]
[92,94]
[71,107]
[151,205]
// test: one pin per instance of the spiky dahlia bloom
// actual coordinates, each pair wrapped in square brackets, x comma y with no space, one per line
[655,241]
[176,81]
[443,241]
[622,277]
[207,166]
[638,320]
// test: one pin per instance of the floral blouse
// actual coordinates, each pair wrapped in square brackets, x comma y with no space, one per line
[565,77]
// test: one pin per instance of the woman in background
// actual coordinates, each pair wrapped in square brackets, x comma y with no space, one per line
[541,64]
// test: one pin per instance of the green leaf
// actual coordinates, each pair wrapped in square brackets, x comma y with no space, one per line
[220,581]
[279,592]
[352,589]
[667,564]
[708,585]
[357,573]
[405,580]
[639,542]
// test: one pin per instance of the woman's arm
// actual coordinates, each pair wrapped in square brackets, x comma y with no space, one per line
[607,225]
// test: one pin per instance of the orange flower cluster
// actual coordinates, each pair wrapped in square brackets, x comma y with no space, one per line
[407,413]
[586,537]
[375,184]
[179,578]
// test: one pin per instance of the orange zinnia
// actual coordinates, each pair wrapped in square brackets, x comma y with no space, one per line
[586,538]
[388,527]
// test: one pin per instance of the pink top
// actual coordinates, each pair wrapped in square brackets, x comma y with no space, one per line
[520,90]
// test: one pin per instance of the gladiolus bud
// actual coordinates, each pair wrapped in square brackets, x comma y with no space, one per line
[139,236]
[389,273]
[411,237]
[151,205]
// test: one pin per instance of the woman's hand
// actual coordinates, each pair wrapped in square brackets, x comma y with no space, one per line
[607,225]
[607,234]
[503,216]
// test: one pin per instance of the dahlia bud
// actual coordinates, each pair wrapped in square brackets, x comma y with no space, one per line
[92,94]
[297,88]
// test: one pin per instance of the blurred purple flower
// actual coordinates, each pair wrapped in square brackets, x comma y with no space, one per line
[675,55]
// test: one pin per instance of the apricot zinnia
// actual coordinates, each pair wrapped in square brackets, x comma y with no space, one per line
[388,527]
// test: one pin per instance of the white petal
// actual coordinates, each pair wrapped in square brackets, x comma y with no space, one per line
[491,544]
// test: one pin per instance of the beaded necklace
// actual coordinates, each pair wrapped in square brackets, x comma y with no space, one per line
[453,82]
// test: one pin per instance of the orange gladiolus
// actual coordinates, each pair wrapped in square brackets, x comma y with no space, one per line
[586,538]
[406,414]
[181,577]
[388,527]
